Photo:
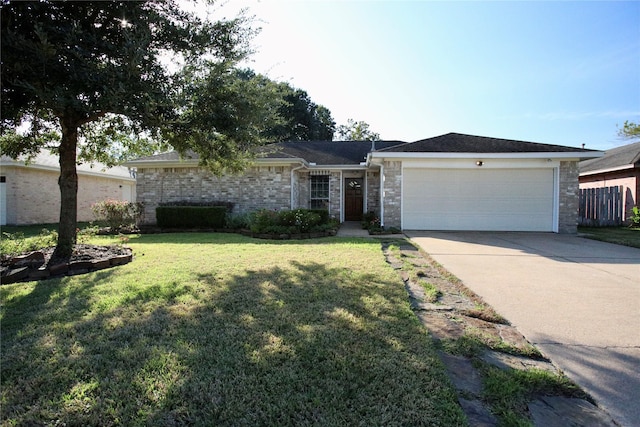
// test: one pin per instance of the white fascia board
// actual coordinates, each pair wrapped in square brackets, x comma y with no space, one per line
[339,167]
[191,163]
[615,169]
[18,164]
[540,155]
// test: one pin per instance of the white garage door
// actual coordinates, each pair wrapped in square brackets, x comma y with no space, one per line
[478,199]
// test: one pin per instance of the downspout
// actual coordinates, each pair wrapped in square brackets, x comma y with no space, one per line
[292,175]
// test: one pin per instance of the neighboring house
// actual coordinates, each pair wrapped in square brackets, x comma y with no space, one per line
[618,167]
[450,182]
[29,192]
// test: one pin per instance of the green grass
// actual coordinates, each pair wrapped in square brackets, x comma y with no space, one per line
[619,235]
[34,230]
[221,329]
[509,391]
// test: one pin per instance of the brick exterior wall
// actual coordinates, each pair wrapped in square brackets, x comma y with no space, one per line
[335,201]
[373,192]
[33,195]
[392,181]
[259,187]
[568,198]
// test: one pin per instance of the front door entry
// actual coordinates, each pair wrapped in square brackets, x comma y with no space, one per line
[353,199]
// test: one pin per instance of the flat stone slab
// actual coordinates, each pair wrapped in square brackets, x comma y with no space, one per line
[477,413]
[568,412]
[440,326]
[463,375]
[427,306]
[510,361]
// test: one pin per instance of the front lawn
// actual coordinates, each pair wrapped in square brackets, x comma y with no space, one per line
[618,235]
[221,329]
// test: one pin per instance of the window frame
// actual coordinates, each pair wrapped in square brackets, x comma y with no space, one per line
[319,184]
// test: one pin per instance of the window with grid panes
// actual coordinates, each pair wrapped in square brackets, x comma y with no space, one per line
[319,195]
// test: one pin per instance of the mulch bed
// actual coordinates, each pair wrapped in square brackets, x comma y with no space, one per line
[39,265]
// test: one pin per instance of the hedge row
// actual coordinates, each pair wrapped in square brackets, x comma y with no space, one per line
[191,216]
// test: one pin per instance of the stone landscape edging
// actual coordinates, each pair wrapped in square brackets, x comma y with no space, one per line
[32,266]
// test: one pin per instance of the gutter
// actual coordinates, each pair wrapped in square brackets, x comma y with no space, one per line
[447,155]
[614,169]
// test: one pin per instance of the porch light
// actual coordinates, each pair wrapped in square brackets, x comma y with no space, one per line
[479,163]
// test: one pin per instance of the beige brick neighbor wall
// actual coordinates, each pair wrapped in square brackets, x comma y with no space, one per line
[33,195]
[259,187]
[568,197]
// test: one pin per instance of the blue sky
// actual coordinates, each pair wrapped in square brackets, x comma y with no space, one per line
[555,72]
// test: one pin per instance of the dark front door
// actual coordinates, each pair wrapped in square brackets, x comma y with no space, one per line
[353,199]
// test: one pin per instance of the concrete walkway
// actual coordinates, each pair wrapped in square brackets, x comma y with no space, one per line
[354,229]
[577,300]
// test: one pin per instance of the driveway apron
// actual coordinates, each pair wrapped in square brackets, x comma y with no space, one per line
[577,300]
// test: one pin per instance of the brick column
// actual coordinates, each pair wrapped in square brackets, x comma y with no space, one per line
[392,197]
[568,198]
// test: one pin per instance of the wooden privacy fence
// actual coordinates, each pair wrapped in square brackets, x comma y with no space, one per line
[601,207]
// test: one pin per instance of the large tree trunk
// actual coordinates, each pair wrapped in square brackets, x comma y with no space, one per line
[68,182]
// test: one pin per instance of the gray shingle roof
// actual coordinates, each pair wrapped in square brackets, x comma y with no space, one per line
[45,159]
[627,155]
[334,153]
[326,152]
[460,143]
[322,153]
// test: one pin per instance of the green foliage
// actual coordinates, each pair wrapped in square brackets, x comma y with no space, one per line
[191,216]
[356,131]
[508,391]
[94,74]
[117,214]
[227,205]
[237,221]
[635,216]
[630,130]
[16,243]
[289,222]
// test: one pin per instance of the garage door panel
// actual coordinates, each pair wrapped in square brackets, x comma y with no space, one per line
[469,199]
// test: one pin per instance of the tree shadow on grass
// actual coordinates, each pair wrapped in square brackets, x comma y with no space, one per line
[294,344]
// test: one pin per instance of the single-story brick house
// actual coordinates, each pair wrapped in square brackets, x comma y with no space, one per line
[619,166]
[449,182]
[29,192]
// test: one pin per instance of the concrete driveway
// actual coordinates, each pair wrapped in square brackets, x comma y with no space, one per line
[577,300]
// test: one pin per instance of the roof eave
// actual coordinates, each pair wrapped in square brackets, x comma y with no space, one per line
[20,164]
[448,155]
[607,170]
[189,163]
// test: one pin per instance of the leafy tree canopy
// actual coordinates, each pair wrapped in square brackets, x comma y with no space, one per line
[299,118]
[92,77]
[356,131]
[630,130]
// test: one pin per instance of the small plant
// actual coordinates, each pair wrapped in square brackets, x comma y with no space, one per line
[237,221]
[260,220]
[289,222]
[87,233]
[16,243]
[117,214]
[635,217]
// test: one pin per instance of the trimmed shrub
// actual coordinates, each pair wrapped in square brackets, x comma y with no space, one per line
[291,222]
[191,216]
[117,214]
[227,205]
[260,220]
[237,221]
